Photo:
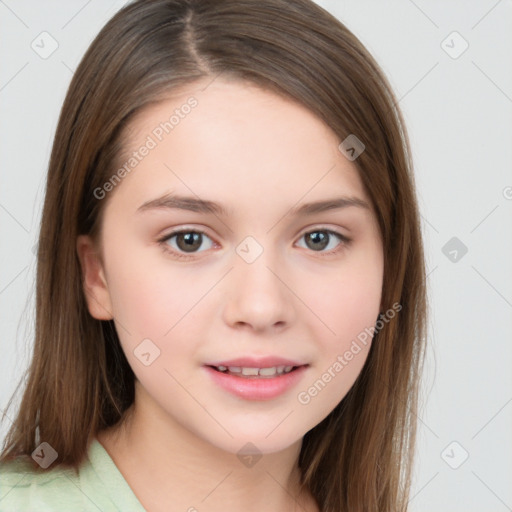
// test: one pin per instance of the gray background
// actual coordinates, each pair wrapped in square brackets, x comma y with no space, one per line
[458,110]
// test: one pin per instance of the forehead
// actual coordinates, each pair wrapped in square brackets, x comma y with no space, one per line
[214,138]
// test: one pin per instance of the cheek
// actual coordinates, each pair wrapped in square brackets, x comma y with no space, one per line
[152,297]
[350,310]
[349,307]
[348,302]
[153,307]
[357,304]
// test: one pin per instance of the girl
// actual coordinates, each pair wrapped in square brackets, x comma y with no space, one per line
[233,313]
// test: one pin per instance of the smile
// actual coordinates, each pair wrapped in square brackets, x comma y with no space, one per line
[253,383]
[240,371]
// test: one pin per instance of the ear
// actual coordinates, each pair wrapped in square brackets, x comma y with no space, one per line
[93,279]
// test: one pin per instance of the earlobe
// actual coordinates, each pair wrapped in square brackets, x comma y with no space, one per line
[93,279]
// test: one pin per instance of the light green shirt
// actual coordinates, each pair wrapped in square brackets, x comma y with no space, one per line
[99,487]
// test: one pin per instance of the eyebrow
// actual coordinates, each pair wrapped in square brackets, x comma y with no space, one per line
[172,201]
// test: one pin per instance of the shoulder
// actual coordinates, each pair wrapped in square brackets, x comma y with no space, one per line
[24,487]
[98,485]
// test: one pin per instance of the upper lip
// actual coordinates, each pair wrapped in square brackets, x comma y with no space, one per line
[257,362]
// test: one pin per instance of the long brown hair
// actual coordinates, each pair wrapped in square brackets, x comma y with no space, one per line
[360,457]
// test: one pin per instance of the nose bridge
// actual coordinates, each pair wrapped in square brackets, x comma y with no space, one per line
[258,296]
[253,266]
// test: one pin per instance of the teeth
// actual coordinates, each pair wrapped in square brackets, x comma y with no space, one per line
[249,371]
[264,372]
[268,371]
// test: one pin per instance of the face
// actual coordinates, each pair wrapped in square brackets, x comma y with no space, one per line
[240,259]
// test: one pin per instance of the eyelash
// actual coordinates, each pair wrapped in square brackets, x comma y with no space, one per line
[344,242]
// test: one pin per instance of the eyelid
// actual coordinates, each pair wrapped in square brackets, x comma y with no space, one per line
[322,227]
[337,231]
[185,229]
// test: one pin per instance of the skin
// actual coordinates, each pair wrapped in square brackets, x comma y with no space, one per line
[259,155]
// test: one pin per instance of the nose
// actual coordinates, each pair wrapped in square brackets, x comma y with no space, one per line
[258,296]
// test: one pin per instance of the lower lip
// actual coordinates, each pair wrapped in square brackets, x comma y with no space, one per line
[256,388]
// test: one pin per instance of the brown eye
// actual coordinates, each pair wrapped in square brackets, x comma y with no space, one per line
[317,240]
[321,239]
[186,241]
[189,242]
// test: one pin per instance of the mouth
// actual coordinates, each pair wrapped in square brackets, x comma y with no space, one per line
[256,382]
[255,373]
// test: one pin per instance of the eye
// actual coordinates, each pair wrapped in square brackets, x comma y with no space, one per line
[321,239]
[184,241]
